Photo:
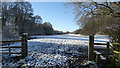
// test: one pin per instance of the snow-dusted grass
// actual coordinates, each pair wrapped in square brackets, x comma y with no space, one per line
[56,49]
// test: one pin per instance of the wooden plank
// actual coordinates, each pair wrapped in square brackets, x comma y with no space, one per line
[96,52]
[15,56]
[97,56]
[99,49]
[111,46]
[115,43]
[100,43]
[11,53]
[99,53]
[10,41]
[102,57]
[12,47]
[116,52]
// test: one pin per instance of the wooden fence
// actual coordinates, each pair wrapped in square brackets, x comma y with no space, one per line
[96,56]
[23,47]
[93,54]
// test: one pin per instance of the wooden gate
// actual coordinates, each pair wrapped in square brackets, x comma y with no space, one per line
[92,52]
[112,51]
[23,47]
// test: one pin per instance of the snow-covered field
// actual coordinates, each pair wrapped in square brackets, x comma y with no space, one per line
[55,50]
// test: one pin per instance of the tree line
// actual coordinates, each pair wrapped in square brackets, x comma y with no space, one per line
[18,18]
[98,18]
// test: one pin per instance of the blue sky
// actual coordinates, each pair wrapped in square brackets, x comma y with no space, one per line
[57,14]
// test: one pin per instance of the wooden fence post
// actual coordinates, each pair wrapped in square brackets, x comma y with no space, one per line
[108,50]
[24,45]
[91,48]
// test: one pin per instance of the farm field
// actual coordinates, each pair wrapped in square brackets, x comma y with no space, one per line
[55,51]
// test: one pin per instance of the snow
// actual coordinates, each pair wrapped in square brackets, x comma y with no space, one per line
[55,49]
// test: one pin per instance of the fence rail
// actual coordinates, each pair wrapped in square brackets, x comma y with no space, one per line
[12,47]
[115,43]
[100,44]
[10,41]
[117,52]
[23,47]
